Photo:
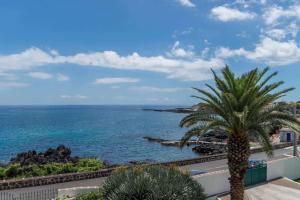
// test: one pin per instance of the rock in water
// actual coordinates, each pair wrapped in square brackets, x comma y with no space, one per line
[210,149]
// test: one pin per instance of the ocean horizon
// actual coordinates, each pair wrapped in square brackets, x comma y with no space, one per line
[113,133]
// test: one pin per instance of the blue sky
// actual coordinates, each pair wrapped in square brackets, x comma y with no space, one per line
[139,51]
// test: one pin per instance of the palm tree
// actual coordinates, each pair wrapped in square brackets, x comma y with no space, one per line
[242,106]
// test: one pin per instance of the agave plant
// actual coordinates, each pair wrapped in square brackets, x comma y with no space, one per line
[242,106]
[151,183]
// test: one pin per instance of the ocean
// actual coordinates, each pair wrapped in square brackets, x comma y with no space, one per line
[111,133]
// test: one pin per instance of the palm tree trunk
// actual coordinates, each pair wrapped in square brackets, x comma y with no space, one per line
[238,154]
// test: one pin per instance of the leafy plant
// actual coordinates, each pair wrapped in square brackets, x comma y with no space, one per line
[151,183]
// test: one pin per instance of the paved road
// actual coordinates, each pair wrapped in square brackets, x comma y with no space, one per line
[222,164]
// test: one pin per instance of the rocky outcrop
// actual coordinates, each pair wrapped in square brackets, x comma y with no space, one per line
[214,136]
[61,154]
[210,149]
[173,110]
[154,139]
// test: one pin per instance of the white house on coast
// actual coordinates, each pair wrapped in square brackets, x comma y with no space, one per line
[283,135]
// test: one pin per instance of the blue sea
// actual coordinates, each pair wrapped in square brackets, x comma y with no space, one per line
[111,133]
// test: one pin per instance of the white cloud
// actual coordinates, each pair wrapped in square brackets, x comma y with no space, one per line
[46,76]
[115,80]
[268,50]
[248,3]
[157,100]
[278,34]
[224,52]
[8,76]
[28,59]
[73,96]
[286,32]
[187,3]
[8,85]
[115,87]
[293,29]
[62,77]
[40,75]
[180,68]
[274,13]
[204,52]
[227,14]
[242,34]
[155,89]
[177,51]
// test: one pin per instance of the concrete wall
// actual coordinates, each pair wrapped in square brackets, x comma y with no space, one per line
[217,182]
[286,167]
[214,183]
[73,192]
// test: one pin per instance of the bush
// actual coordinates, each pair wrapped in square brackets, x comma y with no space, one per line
[88,164]
[15,170]
[2,172]
[90,196]
[151,183]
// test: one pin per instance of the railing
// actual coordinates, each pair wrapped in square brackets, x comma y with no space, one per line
[44,194]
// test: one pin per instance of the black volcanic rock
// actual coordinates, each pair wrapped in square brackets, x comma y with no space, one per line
[61,154]
[210,149]
[214,136]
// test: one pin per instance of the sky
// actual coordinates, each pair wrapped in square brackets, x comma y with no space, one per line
[65,52]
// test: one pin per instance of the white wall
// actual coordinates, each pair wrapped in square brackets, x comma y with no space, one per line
[73,192]
[214,183]
[217,182]
[286,167]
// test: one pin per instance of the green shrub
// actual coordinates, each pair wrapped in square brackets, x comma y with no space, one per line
[2,172]
[33,170]
[13,170]
[89,164]
[151,183]
[90,196]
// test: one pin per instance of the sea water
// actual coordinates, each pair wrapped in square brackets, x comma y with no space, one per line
[111,133]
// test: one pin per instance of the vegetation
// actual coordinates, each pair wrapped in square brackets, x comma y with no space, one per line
[152,183]
[90,196]
[15,170]
[242,106]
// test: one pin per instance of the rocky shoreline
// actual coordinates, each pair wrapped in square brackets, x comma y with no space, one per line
[61,154]
[210,149]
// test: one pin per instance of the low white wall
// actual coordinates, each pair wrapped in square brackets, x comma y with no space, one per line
[286,167]
[214,183]
[217,182]
[72,192]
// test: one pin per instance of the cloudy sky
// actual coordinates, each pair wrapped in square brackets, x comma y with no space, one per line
[139,51]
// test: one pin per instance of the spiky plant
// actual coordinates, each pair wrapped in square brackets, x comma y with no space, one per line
[241,106]
[151,183]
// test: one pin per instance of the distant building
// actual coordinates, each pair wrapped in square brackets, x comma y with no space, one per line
[282,135]
[286,135]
